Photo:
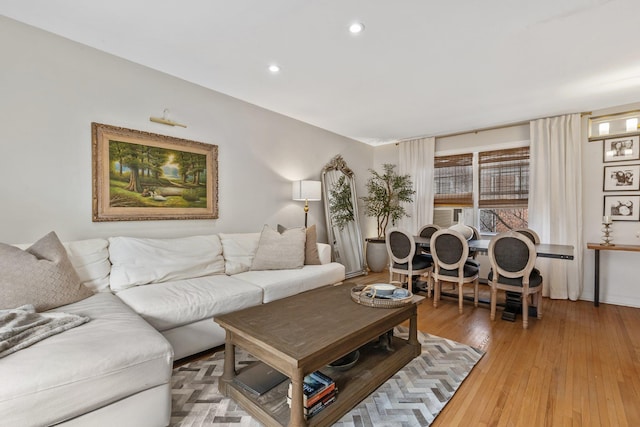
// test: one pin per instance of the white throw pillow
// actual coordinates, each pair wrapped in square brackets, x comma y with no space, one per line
[238,250]
[137,261]
[280,251]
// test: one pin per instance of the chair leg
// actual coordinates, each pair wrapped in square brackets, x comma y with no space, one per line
[436,293]
[525,311]
[539,304]
[475,292]
[460,297]
[494,295]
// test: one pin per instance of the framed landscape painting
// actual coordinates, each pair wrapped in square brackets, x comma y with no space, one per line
[621,178]
[622,207]
[145,176]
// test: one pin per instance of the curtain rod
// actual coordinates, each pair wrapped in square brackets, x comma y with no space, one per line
[508,125]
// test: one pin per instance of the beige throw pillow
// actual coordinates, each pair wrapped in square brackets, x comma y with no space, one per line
[280,251]
[311,254]
[41,275]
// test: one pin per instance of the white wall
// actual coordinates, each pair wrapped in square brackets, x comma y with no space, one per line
[51,89]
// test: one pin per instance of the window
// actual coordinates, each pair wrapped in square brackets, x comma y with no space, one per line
[500,197]
[503,189]
[504,177]
[453,180]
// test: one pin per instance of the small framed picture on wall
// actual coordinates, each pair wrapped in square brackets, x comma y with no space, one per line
[621,178]
[621,207]
[619,149]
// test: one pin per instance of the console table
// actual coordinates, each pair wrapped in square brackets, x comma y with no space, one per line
[597,247]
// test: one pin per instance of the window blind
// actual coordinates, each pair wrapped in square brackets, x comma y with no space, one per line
[504,178]
[453,180]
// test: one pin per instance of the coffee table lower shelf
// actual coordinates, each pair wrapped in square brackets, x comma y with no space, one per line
[373,368]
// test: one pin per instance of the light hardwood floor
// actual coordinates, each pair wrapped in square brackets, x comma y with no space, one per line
[577,366]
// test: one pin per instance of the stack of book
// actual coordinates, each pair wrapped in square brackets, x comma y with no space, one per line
[319,391]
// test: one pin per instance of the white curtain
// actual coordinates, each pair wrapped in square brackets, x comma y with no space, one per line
[555,200]
[416,159]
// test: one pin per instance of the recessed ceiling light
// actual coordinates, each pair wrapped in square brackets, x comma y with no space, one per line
[356,27]
[274,68]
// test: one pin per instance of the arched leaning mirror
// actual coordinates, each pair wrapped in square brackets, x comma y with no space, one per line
[341,211]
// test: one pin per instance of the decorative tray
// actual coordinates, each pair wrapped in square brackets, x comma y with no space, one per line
[368,295]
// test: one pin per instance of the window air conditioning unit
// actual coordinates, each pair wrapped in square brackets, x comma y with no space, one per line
[444,217]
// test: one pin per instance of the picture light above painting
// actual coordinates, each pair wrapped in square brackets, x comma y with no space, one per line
[145,176]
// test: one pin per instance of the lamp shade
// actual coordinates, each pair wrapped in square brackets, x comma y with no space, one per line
[306,190]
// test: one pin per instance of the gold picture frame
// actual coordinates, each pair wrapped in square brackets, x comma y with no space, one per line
[140,176]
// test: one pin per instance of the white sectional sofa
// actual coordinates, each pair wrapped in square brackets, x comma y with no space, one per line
[154,301]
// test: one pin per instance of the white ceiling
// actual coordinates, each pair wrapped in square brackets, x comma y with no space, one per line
[420,68]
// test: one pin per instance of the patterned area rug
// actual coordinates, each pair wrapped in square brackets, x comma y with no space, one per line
[412,397]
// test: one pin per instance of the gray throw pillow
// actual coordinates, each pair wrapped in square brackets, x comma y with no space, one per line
[280,251]
[41,275]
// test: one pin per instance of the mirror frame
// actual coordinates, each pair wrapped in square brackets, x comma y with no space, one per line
[338,164]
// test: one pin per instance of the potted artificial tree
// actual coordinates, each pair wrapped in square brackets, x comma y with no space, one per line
[385,194]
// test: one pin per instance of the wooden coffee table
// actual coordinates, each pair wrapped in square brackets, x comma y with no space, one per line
[306,332]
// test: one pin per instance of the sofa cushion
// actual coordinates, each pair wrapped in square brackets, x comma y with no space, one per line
[278,251]
[113,356]
[90,258]
[171,304]
[238,250]
[137,261]
[41,275]
[278,284]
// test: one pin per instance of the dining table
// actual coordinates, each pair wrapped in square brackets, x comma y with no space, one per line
[513,304]
[544,250]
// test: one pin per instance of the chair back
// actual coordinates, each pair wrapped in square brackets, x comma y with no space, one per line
[428,230]
[532,235]
[476,233]
[512,255]
[401,245]
[449,249]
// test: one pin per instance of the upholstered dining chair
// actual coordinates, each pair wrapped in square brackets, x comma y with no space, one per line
[513,256]
[450,251]
[403,259]
[532,235]
[427,231]
[473,254]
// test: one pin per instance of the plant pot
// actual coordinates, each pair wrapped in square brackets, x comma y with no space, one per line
[377,256]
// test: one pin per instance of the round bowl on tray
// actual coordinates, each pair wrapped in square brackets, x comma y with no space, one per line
[368,295]
[383,289]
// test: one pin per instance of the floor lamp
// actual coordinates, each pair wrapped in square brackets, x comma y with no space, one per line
[306,190]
